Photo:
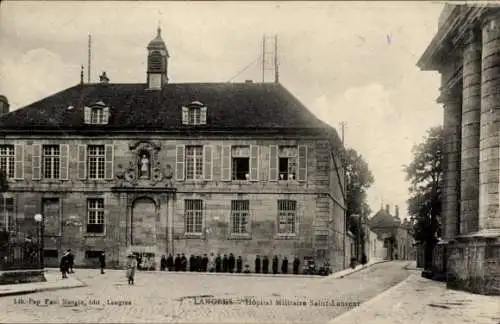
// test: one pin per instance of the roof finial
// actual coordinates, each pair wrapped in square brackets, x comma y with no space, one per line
[159,28]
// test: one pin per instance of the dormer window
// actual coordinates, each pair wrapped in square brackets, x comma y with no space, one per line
[194,114]
[97,114]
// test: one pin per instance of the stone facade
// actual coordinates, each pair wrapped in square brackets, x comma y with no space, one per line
[466,51]
[319,201]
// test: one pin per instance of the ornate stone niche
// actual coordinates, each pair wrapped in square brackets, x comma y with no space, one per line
[144,169]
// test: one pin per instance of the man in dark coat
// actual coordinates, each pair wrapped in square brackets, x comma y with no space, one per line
[199,263]
[71,260]
[275,264]
[177,263]
[296,265]
[265,265]
[231,262]
[192,263]
[102,262]
[218,263]
[64,265]
[183,262]
[163,263]
[257,264]
[225,266]
[284,266]
[239,264]
[170,263]
[204,263]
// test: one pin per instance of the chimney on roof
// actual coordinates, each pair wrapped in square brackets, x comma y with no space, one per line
[248,81]
[387,209]
[103,78]
[4,105]
[396,211]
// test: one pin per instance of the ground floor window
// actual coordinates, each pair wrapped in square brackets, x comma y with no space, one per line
[193,216]
[7,215]
[240,216]
[95,215]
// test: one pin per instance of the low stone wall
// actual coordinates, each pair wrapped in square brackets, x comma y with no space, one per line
[21,276]
[474,266]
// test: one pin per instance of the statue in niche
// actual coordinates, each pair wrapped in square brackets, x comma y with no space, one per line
[144,167]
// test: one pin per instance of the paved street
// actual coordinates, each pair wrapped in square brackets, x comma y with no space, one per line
[169,297]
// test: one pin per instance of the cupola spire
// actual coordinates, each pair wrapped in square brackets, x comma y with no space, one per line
[157,72]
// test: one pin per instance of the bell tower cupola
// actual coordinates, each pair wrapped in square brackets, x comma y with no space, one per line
[157,75]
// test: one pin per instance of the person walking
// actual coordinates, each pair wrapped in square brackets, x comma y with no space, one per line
[131,266]
[71,260]
[102,262]
[64,265]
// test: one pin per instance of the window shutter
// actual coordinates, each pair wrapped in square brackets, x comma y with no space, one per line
[207,162]
[302,163]
[185,115]
[106,115]
[226,163]
[179,162]
[82,161]
[203,115]
[19,161]
[36,162]
[108,158]
[64,162]
[254,163]
[273,163]
[87,113]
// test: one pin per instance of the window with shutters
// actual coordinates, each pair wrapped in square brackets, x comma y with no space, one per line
[287,216]
[95,215]
[7,214]
[96,161]
[287,162]
[51,161]
[240,212]
[7,160]
[240,159]
[194,162]
[193,216]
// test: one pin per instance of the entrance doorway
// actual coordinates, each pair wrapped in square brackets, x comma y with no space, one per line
[143,222]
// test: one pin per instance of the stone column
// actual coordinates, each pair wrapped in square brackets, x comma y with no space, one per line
[170,222]
[489,217]
[471,111]
[452,101]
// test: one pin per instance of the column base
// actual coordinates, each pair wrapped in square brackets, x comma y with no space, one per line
[474,263]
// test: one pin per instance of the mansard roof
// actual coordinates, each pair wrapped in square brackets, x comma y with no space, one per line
[230,106]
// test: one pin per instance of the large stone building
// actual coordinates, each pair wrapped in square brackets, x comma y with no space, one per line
[466,52]
[395,234]
[163,167]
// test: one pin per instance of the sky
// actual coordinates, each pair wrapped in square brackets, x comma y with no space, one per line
[352,62]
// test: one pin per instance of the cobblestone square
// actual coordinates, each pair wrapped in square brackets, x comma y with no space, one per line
[163,297]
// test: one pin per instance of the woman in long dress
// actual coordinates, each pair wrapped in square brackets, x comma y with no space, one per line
[131,266]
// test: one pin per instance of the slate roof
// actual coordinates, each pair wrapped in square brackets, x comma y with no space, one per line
[384,220]
[230,106]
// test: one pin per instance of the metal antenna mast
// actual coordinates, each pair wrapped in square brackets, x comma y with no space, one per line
[270,57]
[90,58]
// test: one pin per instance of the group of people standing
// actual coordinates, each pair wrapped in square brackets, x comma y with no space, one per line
[225,263]
[67,262]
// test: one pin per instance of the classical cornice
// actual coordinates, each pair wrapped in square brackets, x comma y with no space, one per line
[451,35]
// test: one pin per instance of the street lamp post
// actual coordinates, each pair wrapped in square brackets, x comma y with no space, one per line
[39,221]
